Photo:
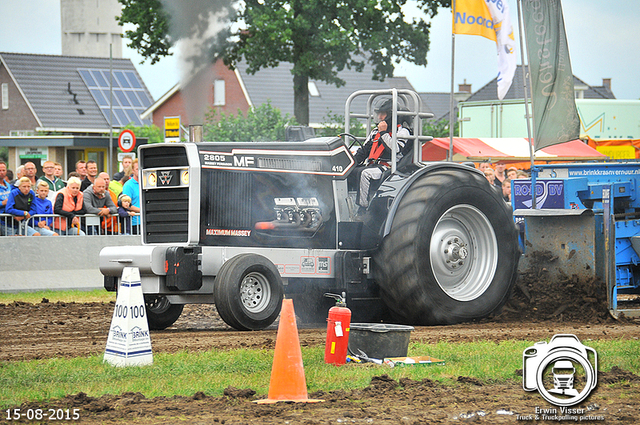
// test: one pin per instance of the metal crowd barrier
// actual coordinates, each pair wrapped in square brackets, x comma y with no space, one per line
[90,224]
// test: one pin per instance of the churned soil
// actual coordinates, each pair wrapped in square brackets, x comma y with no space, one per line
[537,310]
[383,401]
[47,330]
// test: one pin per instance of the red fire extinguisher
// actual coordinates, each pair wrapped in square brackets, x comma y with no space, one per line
[338,323]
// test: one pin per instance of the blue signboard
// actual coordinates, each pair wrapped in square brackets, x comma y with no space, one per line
[549,194]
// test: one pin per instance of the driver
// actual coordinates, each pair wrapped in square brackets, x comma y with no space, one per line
[374,156]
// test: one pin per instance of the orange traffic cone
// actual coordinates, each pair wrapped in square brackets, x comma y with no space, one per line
[287,373]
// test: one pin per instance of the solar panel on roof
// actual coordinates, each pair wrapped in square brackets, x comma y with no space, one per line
[122,79]
[144,99]
[132,115]
[102,82]
[105,112]
[133,99]
[133,79]
[122,117]
[122,98]
[99,98]
[129,96]
[88,79]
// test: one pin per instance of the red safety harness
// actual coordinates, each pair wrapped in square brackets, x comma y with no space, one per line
[376,151]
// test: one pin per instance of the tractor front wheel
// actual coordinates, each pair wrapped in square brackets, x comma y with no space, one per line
[248,292]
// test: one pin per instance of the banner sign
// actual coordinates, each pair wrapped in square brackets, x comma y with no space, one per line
[171,129]
[33,153]
[549,194]
[554,108]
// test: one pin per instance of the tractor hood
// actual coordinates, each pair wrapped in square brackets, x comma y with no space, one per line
[321,156]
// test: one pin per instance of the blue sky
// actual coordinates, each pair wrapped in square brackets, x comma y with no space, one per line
[603,37]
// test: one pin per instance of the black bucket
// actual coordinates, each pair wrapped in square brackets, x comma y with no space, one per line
[379,340]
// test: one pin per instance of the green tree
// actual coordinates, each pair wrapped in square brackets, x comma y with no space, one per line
[319,37]
[261,124]
[151,36]
[438,128]
[152,133]
[333,124]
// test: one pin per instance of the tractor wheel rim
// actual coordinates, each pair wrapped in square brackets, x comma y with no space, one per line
[255,292]
[463,252]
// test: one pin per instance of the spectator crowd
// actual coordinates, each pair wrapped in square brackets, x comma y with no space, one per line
[500,176]
[90,202]
[87,202]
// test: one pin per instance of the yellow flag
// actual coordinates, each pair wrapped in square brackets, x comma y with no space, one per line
[473,17]
[490,19]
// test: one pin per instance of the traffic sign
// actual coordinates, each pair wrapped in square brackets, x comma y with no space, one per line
[121,155]
[127,140]
[172,129]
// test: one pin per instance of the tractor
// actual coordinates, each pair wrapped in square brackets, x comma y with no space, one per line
[242,225]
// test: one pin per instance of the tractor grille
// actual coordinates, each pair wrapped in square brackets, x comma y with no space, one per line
[290,164]
[166,216]
[166,210]
[229,200]
[166,156]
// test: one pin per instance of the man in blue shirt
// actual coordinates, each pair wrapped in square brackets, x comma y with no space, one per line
[132,189]
[5,186]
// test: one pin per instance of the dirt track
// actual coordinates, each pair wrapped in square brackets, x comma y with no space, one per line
[45,330]
[537,311]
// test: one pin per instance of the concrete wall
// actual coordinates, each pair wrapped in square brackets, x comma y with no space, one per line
[54,263]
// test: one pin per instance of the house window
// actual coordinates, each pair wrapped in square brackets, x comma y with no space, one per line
[5,96]
[21,133]
[219,96]
[313,89]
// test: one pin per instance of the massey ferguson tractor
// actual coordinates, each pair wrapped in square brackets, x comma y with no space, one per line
[241,225]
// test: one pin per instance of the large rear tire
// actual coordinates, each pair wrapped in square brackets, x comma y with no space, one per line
[248,292]
[452,252]
[160,312]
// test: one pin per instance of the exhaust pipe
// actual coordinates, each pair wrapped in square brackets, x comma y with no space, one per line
[195,133]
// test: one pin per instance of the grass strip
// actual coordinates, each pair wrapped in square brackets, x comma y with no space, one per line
[95,295]
[186,373]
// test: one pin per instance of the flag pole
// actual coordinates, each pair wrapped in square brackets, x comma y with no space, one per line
[452,119]
[525,77]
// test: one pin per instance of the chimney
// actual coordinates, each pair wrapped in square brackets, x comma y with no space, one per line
[606,82]
[464,87]
[195,133]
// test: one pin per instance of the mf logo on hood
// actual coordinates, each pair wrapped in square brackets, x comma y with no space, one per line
[165,178]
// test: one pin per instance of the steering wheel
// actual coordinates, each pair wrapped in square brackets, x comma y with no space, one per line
[355,139]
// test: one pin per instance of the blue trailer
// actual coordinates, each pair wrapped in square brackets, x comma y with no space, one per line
[588,216]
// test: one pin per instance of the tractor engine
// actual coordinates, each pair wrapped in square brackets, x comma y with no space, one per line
[295,213]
